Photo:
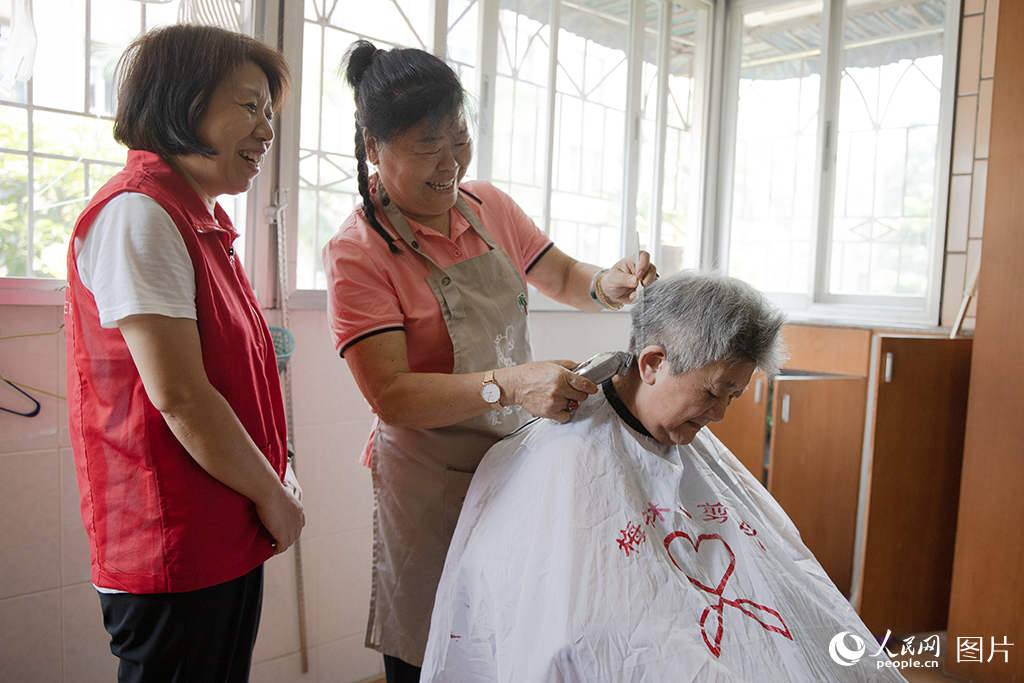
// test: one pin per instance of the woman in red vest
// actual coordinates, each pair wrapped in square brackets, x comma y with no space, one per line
[175,408]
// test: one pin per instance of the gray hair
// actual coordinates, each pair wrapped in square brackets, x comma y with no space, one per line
[701,317]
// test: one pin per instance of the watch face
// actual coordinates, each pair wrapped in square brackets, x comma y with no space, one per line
[490,392]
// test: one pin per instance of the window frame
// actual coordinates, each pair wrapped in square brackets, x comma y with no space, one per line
[282,23]
[485,84]
[818,304]
[256,17]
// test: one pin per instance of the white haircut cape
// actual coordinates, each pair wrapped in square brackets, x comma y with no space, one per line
[588,552]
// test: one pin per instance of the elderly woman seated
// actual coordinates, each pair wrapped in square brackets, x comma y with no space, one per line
[629,544]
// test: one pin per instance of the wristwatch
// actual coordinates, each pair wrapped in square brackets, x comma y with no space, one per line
[489,390]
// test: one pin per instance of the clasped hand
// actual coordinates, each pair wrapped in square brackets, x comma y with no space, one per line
[283,516]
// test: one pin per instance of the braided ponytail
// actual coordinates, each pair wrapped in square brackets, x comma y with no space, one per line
[358,59]
[364,191]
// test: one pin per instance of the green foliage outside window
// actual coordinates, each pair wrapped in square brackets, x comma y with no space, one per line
[62,184]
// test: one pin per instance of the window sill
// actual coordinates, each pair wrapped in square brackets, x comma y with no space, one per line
[309,299]
[17,291]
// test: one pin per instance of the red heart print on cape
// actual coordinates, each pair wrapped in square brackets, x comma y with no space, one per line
[711,621]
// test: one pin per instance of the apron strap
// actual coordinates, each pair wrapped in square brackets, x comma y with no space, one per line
[474,221]
[446,291]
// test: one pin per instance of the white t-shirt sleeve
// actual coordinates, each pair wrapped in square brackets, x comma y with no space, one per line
[134,261]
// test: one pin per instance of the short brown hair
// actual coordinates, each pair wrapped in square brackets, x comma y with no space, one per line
[167,77]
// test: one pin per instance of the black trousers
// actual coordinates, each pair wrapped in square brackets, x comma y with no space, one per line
[203,636]
[398,671]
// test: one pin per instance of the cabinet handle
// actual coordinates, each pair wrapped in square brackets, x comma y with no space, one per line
[888,368]
[785,408]
[757,391]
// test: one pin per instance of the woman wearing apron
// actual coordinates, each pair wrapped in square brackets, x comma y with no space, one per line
[427,301]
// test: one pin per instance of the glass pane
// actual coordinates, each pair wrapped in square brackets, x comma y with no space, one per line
[13,215]
[887,149]
[681,189]
[68,106]
[518,161]
[14,128]
[76,137]
[461,47]
[776,132]
[681,197]
[19,93]
[397,22]
[162,14]
[586,200]
[115,24]
[337,108]
[462,32]
[59,197]
[327,165]
[312,75]
[314,9]
[58,79]
[650,105]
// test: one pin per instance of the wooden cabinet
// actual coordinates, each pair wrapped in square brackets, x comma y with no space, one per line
[814,463]
[808,456]
[863,452]
[744,429]
[911,487]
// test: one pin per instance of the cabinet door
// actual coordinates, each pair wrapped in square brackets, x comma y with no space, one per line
[745,427]
[914,489]
[814,469]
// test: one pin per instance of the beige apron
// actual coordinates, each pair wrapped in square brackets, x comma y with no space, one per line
[420,476]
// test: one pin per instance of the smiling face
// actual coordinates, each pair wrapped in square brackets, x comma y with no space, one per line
[674,407]
[422,167]
[237,126]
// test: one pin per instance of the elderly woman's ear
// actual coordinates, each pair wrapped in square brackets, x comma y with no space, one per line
[651,361]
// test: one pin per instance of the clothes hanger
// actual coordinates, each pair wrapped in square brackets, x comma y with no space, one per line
[34,411]
[21,391]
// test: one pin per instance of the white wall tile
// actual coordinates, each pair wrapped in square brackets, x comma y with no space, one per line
[973,7]
[327,392]
[970,54]
[575,335]
[973,258]
[343,576]
[309,456]
[988,50]
[348,660]
[952,287]
[74,543]
[984,125]
[341,497]
[30,639]
[959,213]
[978,187]
[287,669]
[30,536]
[87,656]
[963,134]
[63,434]
[32,361]
[279,633]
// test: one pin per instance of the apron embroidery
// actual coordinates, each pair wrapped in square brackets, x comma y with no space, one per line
[504,346]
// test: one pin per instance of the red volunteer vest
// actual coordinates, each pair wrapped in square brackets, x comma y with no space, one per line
[157,522]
